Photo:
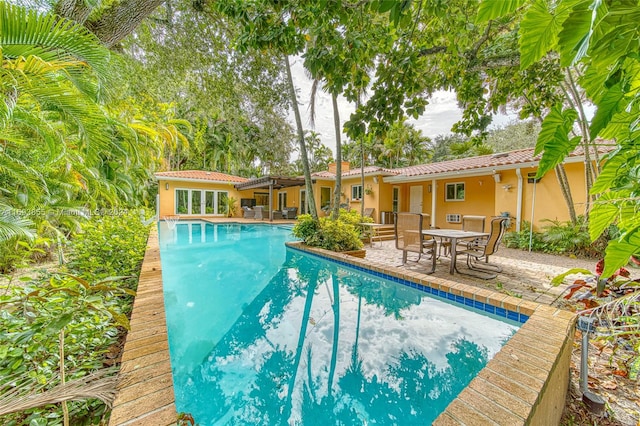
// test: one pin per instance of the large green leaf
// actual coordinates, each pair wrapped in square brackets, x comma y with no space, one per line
[491,9]
[539,30]
[618,34]
[603,213]
[553,140]
[618,252]
[611,170]
[612,101]
[573,39]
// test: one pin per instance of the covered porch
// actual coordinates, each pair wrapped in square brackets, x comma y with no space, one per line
[271,183]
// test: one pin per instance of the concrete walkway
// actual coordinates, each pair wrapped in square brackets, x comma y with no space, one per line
[525,275]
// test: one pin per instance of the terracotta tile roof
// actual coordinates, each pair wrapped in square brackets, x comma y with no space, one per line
[521,156]
[200,175]
[368,170]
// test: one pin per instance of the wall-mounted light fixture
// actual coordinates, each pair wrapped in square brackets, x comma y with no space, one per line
[480,182]
[166,186]
[497,177]
[375,179]
[506,187]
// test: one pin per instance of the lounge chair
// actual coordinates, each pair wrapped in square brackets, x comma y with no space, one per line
[409,238]
[248,213]
[259,212]
[479,250]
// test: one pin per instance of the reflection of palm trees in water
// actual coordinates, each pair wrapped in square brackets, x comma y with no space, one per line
[408,388]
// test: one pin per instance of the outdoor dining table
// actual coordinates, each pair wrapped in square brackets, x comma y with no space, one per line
[454,235]
[370,230]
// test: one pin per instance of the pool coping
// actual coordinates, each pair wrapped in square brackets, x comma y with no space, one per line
[525,383]
[145,382]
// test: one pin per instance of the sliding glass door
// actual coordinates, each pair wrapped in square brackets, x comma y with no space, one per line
[201,202]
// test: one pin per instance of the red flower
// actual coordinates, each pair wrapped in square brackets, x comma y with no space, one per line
[600,267]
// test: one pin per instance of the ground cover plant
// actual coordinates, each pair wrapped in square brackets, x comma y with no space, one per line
[565,238]
[77,312]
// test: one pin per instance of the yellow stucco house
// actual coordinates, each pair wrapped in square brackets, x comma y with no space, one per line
[489,185]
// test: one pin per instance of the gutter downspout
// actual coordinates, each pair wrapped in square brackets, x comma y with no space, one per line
[519,201]
[434,199]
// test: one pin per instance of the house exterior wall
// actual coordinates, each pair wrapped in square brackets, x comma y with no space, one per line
[371,196]
[167,199]
[547,201]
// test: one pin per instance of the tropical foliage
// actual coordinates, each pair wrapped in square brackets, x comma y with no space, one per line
[80,312]
[342,234]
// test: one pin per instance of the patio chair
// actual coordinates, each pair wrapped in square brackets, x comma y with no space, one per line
[259,212]
[289,212]
[368,212]
[409,238]
[469,223]
[248,213]
[480,250]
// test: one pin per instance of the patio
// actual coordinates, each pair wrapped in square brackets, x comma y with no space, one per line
[525,275]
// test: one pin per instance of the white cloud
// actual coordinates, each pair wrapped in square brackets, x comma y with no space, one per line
[441,113]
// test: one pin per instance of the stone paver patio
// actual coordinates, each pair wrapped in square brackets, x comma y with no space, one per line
[523,276]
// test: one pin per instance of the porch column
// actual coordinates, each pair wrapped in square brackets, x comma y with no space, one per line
[270,200]
[434,199]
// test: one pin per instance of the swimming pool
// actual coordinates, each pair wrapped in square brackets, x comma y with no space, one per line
[260,334]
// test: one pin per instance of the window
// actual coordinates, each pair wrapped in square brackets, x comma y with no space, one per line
[454,191]
[356,192]
[325,198]
[395,203]
[262,198]
[182,201]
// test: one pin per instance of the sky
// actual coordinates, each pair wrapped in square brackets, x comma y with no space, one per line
[441,113]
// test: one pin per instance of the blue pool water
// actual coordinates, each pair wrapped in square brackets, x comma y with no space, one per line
[261,334]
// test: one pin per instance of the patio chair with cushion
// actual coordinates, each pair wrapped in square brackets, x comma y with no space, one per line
[248,213]
[479,250]
[259,212]
[289,212]
[409,238]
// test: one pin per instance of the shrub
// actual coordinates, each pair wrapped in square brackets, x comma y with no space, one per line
[521,239]
[109,246]
[89,306]
[336,235]
[559,238]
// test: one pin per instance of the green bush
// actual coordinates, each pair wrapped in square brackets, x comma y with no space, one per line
[109,246]
[521,239]
[336,235]
[558,238]
[89,306]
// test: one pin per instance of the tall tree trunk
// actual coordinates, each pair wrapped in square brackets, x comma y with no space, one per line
[337,191]
[311,202]
[76,10]
[563,182]
[572,94]
[114,23]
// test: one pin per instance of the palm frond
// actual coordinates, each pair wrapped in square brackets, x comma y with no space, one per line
[19,394]
[12,225]
[25,32]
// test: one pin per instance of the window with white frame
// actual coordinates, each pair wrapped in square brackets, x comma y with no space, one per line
[356,192]
[454,191]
